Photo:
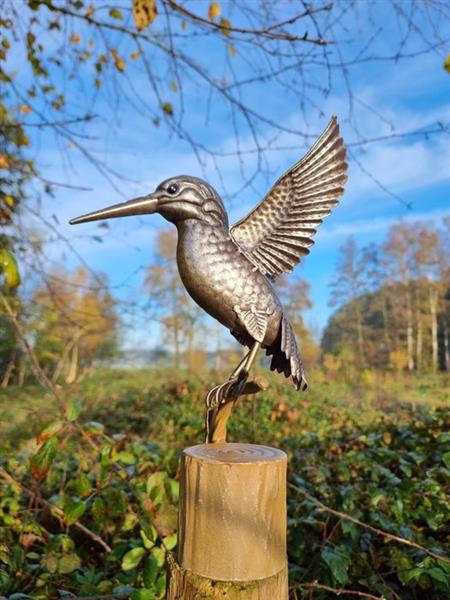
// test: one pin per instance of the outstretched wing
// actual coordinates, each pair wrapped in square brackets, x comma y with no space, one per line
[277,232]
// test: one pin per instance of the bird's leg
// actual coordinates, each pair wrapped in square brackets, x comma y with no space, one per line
[221,398]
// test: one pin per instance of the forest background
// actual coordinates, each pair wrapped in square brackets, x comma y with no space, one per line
[104,359]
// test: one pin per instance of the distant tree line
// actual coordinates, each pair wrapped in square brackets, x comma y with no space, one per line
[394,301]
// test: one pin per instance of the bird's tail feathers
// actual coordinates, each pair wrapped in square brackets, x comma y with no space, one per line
[285,356]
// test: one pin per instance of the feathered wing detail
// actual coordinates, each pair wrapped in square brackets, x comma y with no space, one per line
[253,320]
[277,232]
[285,356]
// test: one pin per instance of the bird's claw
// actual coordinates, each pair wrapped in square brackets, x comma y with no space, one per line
[226,392]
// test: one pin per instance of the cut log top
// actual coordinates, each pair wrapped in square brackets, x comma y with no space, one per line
[229,453]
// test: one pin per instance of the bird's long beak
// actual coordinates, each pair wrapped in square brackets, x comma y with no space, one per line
[138,206]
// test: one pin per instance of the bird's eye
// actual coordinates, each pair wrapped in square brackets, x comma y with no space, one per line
[173,188]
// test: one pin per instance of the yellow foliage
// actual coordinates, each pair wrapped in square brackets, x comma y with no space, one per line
[398,359]
[214,11]
[144,13]
[5,162]
[331,364]
[74,38]
[368,377]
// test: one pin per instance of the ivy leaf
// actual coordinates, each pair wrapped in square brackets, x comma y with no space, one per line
[73,510]
[132,558]
[150,571]
[69,563]
[144,13]
[338,561]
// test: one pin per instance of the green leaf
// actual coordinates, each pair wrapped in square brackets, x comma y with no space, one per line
[439,575]
[132,558]
[8,266]
[73,410]
[50,562]
[127,458]
[143,595]
[155,486]
[170,541]
[93,428]
[69,563]
[150,571]
[41,462]
[446,459]
[338,561]
[49,431]
[73,510]
[160,555]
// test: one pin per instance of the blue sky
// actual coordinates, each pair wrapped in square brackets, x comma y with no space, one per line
[408,95]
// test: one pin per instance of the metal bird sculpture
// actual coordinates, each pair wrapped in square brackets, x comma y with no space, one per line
[229,271]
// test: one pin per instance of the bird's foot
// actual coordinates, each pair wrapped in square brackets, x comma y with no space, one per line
[226,392]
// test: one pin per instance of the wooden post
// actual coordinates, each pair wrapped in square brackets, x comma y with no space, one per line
[232,524]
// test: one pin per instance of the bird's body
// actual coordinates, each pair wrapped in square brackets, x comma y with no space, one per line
[229,271]
[220,278]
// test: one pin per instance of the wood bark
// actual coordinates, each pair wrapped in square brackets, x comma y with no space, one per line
[185,585]
[232,524]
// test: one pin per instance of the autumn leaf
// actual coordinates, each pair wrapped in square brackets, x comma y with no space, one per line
[120,64]
[214,11]
[74,38]
[167,108]
[144,13]
[225,25]
[115,14]
[9,201]
[447,64]
[232,50]
[41,462]
[135,55]
[50,430]
[25,109]
[5,162]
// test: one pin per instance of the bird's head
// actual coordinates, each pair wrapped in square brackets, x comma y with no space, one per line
[176,199]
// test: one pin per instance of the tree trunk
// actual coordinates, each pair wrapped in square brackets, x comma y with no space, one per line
[419,344]
[9,370]
[446,346]
[360,336]
[434,329]
[409,333]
